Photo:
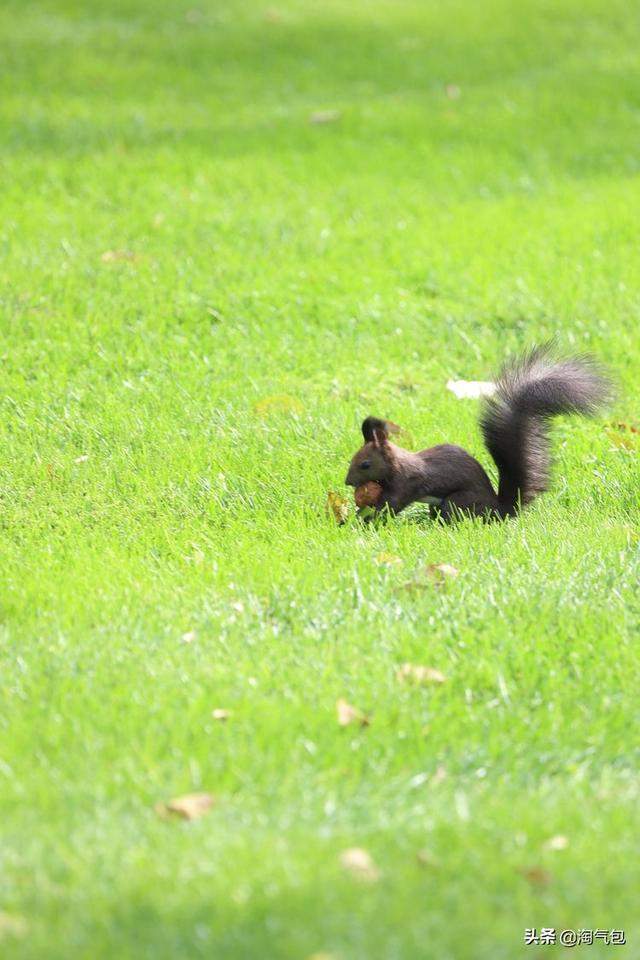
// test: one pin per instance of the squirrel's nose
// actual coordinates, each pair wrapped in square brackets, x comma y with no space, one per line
[348,481]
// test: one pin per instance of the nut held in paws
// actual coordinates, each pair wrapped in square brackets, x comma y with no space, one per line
[368,494]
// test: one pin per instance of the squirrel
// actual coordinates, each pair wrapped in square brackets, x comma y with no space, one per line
[514,422]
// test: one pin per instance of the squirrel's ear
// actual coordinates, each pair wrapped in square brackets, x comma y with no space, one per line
[372,426]
[377,431]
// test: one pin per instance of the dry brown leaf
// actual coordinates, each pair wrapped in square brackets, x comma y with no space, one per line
[220,714]
[278,403]
[12,925]
[114,256]
[348,714]
[433,575]
[426,859]
[557,843]
[324,116]
[439,573]
[338,507]
[360,864]
[623,440]
[388,560]
[536,876]
[416,673]
[191,806]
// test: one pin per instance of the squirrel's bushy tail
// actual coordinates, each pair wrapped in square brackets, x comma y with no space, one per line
[515,418]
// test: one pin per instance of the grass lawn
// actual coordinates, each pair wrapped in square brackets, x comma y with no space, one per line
[202,293]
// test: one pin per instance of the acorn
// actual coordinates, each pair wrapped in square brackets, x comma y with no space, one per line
[368,494]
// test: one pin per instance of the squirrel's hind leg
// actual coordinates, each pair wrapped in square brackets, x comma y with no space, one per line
[469,503]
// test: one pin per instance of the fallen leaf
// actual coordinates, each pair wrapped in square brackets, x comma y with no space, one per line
[465,389]
[418,674]
[324,116]
[433,575]
[439,776]
[388,560]
[630,427]
[114,256]
[624,440]
[220,714]
[278,403]
[191,806]
[348,714]
[188,637]
[337,506]
[426,859]
[536,876]
[360,864]
[11,925]
[82,459]
[439,573]
[557,843]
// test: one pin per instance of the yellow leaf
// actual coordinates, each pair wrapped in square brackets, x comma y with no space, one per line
[191,806]
[348,714]
[622,440]
[337,506]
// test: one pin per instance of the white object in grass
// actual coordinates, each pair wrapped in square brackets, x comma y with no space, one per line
[465,389]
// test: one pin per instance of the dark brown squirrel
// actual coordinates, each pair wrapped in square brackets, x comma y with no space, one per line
[514,424]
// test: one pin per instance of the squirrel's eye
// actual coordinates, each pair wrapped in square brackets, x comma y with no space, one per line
[365,464]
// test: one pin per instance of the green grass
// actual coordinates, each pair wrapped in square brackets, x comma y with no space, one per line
[351,267]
